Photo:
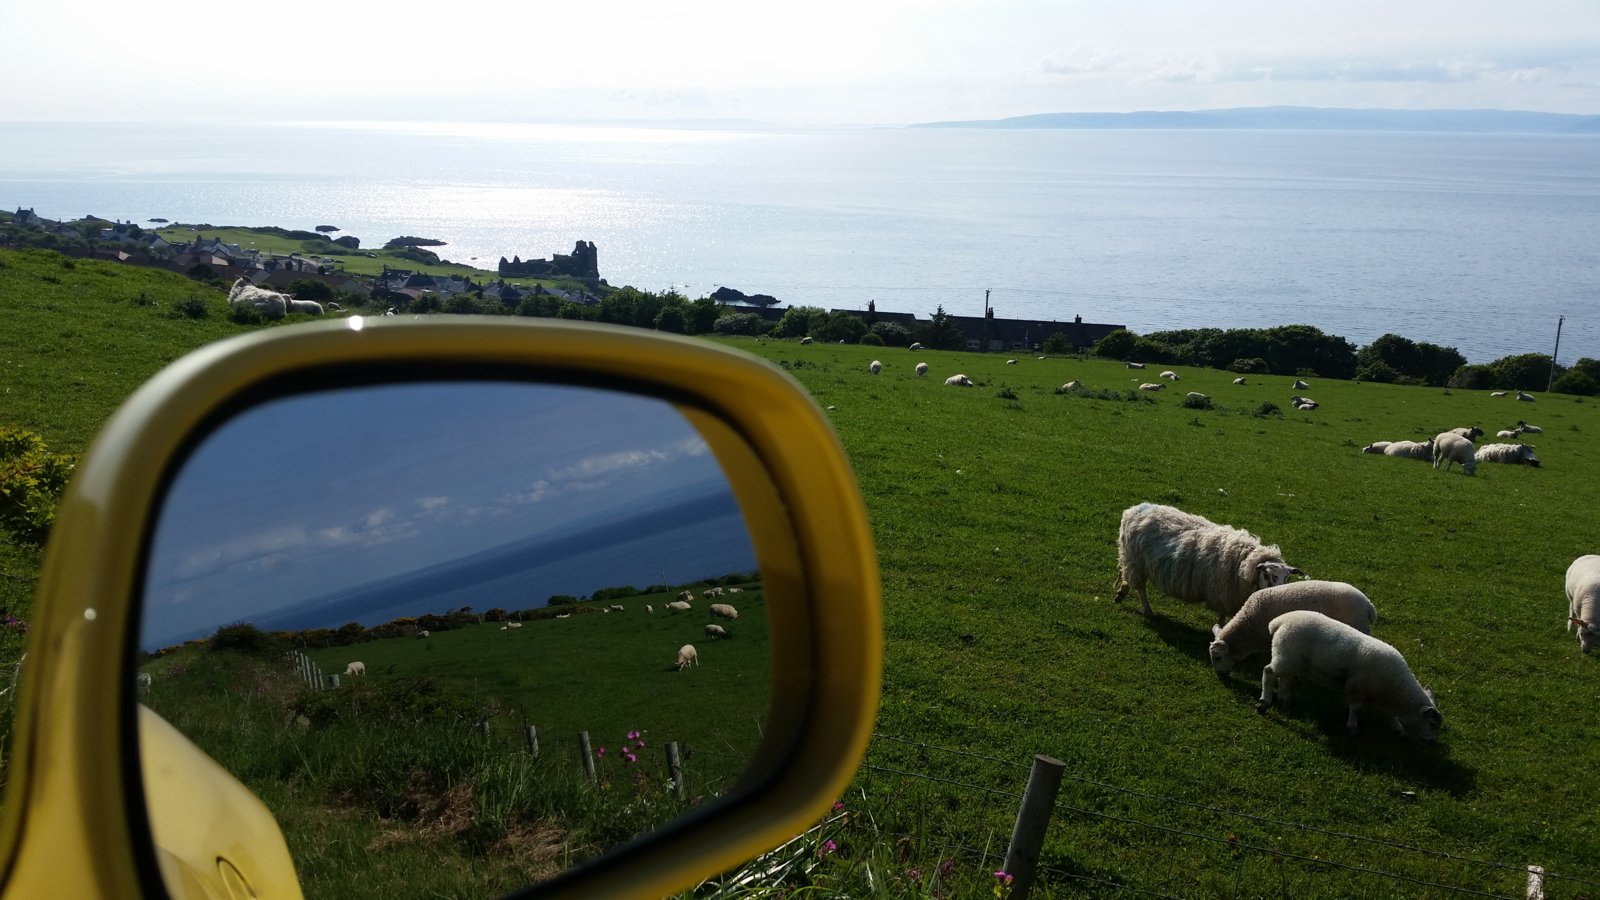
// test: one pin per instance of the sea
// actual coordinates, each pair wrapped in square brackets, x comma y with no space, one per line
[1481,242]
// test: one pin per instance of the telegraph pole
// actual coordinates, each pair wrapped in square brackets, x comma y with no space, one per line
[1554,353]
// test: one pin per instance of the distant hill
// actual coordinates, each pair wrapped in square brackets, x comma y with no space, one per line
[1305,118]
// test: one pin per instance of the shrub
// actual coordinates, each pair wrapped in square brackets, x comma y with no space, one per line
[1057,344]
[1267,409]
[1118,344]
[31,481]
[1377,370]
[1576,382]
[243,637]
[1253,366]
[871,340]
[748,324]
[1197,401]
[1006,393]
[246,314]
[191,307]
[893,334]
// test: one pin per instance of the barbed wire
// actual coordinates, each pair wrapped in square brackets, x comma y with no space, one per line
[1016,795]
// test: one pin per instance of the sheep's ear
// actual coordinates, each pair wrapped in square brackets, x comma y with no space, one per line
[1216,631]
[1579,622]
[1295,571]
[1428,692]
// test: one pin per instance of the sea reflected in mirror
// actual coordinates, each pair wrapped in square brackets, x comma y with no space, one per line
[392,611]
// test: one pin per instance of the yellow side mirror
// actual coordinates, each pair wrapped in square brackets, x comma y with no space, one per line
[108,799]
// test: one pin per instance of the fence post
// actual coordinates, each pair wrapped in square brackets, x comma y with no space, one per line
[1033,818]
[588,757]
[333,681]
[1535,883]
[675,766]
[533,741]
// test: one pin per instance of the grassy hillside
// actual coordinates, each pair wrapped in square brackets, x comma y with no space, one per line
[995,511]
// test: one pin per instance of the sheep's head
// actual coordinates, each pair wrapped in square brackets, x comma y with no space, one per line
[1220,660]
[1427,721]
[1274,573]
[1588,635]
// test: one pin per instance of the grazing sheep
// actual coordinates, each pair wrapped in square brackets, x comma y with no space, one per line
[1072,386]
[1134,365]
[1511,435]
[1368,671]
[1195,395]
[145,680]
[617,607]
[1583,600]
[686,596]
[1525,428]
[735,590]
[716,631]
[513,624]
[1515,454]
[356,668]
[711,592]
[1239,380]
[389,311]
[805,340]
[723,611]
[423,634]
[649,608]
[1497,393]
[309,307]
[875,367]
[687,657]
[1147,386]
[1450,448]
[1376,447]
[922,369]
[1193,559]
[916,345]
[1300,385]
[958,381]
[679,606]
[1246,634]
[1410,449]
[1011,362]
[1471,434]
[1169,375]
[564,616]
[335,307]
[1525,397]
[1303,403]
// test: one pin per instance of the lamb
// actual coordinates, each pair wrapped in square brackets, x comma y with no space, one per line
[1450,448]
[679,606]
[1193,559]
[922,369]
[1152,387]
[1370,672]
[723,611]
[1410,449]
[1583,600]
[958,381]
[1239,380]
[1246,634]
[1169,375]
[687,657]
[1525,428]
[1071,386]
[1134,365]
[915,345]
[686,596]
[1377,447]
[1511,435]
[309,307]
[356,668]
[649,608]
[1471,434]
[423,634]
[1011,362]
[1300,385]
[1525,397]
[1515,454]
[875,367]
[1497,393]
[716,631]
[1304,403]
[270,303]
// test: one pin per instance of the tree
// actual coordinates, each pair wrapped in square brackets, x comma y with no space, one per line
[1527,371]
[1058,344]
[740,323]
[893,333]
[943,334]
[311,289]
[671,319]
[799,321]
[839,326]
[1118,344]
[702,315]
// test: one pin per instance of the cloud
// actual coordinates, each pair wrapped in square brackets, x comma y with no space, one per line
[432,504]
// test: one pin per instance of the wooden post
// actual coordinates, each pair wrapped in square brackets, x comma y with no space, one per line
[675,766]
[333,681]
[588,756]
[1535,883]
[533,741]
[1033,818]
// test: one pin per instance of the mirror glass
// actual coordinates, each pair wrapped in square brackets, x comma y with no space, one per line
[397,612]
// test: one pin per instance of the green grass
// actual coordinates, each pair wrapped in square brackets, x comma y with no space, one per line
[995,521]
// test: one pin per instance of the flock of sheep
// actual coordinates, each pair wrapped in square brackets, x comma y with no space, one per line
[271,304]
[1456,446]
[1318,630]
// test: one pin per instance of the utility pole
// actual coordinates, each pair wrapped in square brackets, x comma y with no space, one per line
[1554,353]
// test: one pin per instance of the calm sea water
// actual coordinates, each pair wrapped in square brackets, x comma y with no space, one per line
[1474,241]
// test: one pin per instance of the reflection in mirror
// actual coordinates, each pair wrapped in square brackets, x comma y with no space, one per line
[367,603]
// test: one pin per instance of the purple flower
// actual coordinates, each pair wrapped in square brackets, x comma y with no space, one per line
[915,875]
[601,753]
[827,848]
[633,735]
[946,867]
[1004,877]
[630,757]
[838,805]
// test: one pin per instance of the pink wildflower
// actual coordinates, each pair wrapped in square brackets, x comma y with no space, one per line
[827,848]
[1004,877]
[601,753]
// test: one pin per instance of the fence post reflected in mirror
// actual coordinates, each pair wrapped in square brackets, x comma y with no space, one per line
[460,635]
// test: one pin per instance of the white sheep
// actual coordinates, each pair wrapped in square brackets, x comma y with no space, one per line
[735,590]
[716,631]
[271,304]
[1525,428]
[711,592]
[1300,385]
[1450,448]
[686,596]
[805,340]
[922,369]
[1303,403]
[723,611]
[356,668]
[875,367]
[915,345]
[1583,600]
[1239,380]
[1497,393]
[1377,447]
[1147,386]
[1515,454]
[1011,362]
[1195,395]
[1471,434]
[1371,673]
[687,657]
[649,608]
[617,607]
[1169,375]
[1071,386]
[1246,633]
[1134,365]
[679,606]
[958,381]
[423,634]
[145,681]
[1193,559]
[309,307]
[564,615]
[1525,397]
[1505,435]
[1410,449]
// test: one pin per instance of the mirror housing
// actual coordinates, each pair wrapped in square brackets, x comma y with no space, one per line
[76,818]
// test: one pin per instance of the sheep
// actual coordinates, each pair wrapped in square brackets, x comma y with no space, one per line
[1525,397]
[687,657]
[716,631]
[1303,403]
[356,668]
[1246,634]
[564,615]
[1583,600]
[735,590]
[1193,559]
[1195,395]
[1147,386]
[145,680]
[916,345]
[1511,435]
[1471,434]
[1300,385]
[513,624]
[1450,448]
[679,606]
[958,381]
[271,304]
[389,312]
[617,607]
[1169,375]
[423,634]
[649,608]
[1134,365]
[1410,449]
[1071,386]
[805,340]
[335,307]
[1239,380]
[686,596]
[922,369]
[711,592]
[875,367]
[1515,454]
[1497,393]
[309,307]
[1369,672]
[1525,428]
[1377,447]
[1011,362]
[723,611]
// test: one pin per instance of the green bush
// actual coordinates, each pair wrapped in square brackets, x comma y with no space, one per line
[1252,366]
[31,481]
[748,324]
[1197,401]
[245,638]
[191,307]
[246,314]
[1268,408]
[871,339]
[1576,382]
[893,334]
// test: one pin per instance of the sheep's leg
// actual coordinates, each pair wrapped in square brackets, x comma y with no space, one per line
[1351,723]
[1269,682]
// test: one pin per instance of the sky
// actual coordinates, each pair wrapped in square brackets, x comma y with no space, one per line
[324,492]
[818,63]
